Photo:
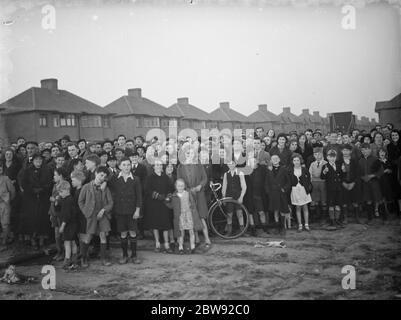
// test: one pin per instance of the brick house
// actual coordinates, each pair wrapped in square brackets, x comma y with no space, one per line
[306,119]
[317,121]
[48,113]
[190,116]
[136,115]
[289,121]
[390,111]
[227,118]
[264,118]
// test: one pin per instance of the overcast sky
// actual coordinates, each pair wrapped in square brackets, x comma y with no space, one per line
[279,56]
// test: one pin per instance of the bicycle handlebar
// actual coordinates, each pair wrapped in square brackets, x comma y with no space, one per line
[215,186]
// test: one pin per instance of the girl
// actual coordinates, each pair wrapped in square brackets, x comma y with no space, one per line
[301,188]
[281,150]
[195,177]
[69,225]
[7,194]
[186,217]
[59,176]
[277,186]
[304,148]
[157,214]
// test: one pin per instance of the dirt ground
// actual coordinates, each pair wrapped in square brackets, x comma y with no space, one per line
[309,268]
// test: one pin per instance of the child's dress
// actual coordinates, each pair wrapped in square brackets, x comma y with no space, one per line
[299,197]
[186,221]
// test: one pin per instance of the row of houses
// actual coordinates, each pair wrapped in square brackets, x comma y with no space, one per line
[47,113]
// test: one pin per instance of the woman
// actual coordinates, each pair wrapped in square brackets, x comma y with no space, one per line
[157,215]
[11,168]
[281,150]
[195,178]
[377,144]
[268,142]
[271,134]
[36,183]
[82,148]
[21,152]
[304,148]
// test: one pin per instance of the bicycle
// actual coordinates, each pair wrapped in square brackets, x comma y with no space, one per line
[217,215]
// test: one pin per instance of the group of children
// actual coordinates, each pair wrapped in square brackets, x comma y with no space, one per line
[119,190]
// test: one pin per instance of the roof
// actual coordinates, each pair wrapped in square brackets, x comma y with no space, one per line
[130,105]
[394,103]
[263,116]
[227,115]
[43,99]
[188,111]
[306,117]
[288,117]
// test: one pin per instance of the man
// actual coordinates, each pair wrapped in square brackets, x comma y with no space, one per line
[130,145]
[309,136]
[260,133]
[262,156]
[138,169]
[31,149]
[107,146]
[127,195]
[73,153]
[139,141]
[64,142]
[20,141]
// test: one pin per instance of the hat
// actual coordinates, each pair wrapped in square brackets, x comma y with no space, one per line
[332,153]
[111,157]
[317,149]
[36,156]
[66,137]
[102,153]
[365,146]
[346,146]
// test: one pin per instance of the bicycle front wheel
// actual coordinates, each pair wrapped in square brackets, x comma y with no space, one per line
[228,219]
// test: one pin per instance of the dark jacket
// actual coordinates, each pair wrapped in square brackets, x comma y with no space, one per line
[333,177]
[127,195]
[304,180]
[277,186]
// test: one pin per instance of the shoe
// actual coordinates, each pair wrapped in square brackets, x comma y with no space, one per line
[66,264]
[193,251]
[181,251]
[207,246]
[168,250]
[106,263]
[307,228]
[123,260]
[157,250]
[300,228]
[135,260]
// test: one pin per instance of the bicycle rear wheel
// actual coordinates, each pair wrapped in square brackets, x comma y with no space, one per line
[218,218]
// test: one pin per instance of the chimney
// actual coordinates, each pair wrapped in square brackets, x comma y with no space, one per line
[225,105]
[316,113]
[183,101]
[50,84]
[286,109]
[305,111]
[373,120]
[263,107]
[137,93]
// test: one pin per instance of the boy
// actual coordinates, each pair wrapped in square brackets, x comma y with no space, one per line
[91,163]
[370,171]
[7,194]
[96,204]
[112,165]
[69,224]
[234,186]
[349,168]
[319,199]
[127,195]
[332,174]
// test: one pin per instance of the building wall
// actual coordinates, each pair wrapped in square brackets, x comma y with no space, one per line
[390,115]
[4,141]
[20,124]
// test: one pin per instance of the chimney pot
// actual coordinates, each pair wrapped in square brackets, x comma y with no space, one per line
[225,105]
[306,111]
[262,107]
[316,113]
[50,84]
[286,109]
[183,101]
[136,92]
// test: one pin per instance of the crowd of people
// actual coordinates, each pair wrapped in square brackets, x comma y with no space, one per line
[78,194]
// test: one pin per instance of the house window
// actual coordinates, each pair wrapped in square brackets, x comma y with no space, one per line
[91,121]
[173,123]
[139,122]
[151,122]
[106,122]
[56,121]
[199,124]
[43,120]
[65,120]
[164,123]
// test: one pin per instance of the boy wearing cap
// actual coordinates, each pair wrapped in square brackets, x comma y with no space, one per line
[319,198]
[112,165]
[91,163]
[370,171]
[332,174]
[349,168]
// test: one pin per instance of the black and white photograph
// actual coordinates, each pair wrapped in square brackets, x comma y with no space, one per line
[202,155]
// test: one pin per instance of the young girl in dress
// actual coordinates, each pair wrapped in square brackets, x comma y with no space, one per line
[186,217]
[301,188]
